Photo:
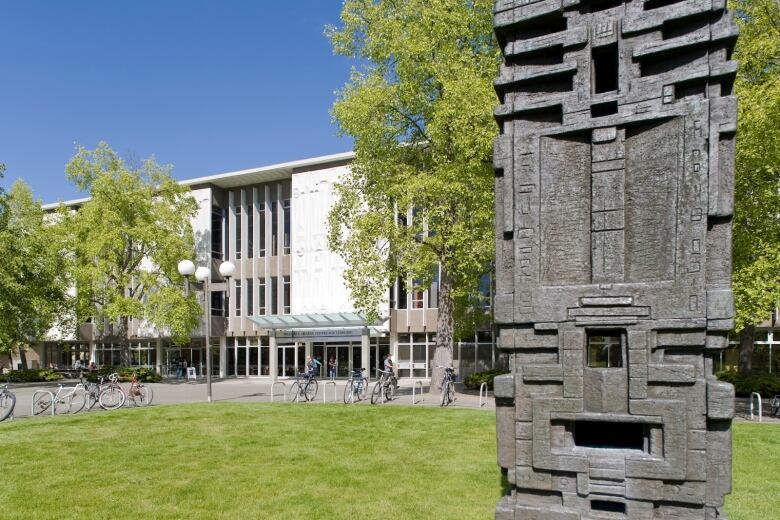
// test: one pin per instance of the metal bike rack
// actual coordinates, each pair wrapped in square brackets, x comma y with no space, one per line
[758,396]
[414,388]
[325,391]
[484,387]
[273,388]
[32,401]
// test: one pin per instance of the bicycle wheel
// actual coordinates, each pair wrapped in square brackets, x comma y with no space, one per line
[78,400]
[445,393]
[363,391]
[311,390]
[450,393]
[42,403]
[775,405]
[111,398]
[349,396]
[295,389]
[389,391]
[376,393]
[146,395]
[92,398]
[7,403]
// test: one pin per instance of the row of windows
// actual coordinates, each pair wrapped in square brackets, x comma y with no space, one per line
[262,308]
[262,250]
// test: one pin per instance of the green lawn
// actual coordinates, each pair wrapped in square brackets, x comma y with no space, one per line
[283,461]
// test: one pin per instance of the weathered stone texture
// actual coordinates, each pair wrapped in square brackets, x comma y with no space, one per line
[614,197]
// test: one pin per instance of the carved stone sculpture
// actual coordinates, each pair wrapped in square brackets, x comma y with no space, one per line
[614,198]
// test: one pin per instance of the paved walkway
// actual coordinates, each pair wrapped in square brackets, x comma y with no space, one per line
[260,390]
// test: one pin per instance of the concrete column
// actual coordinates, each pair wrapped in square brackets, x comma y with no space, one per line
[223,356]
[273,363]
[365,352]
[92,353]
[159,355]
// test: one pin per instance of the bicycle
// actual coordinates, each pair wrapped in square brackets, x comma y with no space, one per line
[7,403]
[357,386]
[447,385]
[66,400]
[384,388]
[112,396]
[774,405]
[305,385]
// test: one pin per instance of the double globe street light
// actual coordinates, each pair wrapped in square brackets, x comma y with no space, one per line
[203,274]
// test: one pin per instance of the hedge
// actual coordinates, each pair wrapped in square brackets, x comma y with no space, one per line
[145,375]
[35,375]
[768,385]
[475,380]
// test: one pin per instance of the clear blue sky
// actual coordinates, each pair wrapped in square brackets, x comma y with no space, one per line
[209,87]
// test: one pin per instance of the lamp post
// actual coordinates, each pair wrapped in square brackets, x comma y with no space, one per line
[203,274]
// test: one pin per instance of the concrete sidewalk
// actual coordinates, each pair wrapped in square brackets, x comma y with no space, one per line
[260,390]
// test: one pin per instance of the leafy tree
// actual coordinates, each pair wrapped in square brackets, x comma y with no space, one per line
[33,289]
[756,243]
[125,244]
[419,194]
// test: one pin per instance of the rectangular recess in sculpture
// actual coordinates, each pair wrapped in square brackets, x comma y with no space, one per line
[614,200]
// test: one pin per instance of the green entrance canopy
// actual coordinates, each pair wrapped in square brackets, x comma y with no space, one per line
[310,321]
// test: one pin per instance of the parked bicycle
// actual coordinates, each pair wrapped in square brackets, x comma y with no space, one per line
[384,388]
[113,396]
[304,388]
[65,400]
[447,385]
[7,403]
[357,386]
[774,405]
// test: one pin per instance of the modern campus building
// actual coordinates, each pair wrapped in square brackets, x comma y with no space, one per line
[287,298]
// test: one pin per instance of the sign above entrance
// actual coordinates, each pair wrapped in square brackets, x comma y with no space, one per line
[329,334]
[310,321]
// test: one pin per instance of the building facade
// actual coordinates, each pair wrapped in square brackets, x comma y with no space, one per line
[287,298]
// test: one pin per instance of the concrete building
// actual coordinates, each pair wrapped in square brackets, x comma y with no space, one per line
[287,298]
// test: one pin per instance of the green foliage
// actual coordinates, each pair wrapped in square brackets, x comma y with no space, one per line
[31,376]
[768,385]
[756,242]
[143,374]
[33,284]
[475,380]
[126,242]
[420,113]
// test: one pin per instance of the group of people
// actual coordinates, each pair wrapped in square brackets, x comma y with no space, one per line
[313,366]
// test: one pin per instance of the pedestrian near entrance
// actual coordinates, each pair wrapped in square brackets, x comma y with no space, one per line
[311,366]
[332,368]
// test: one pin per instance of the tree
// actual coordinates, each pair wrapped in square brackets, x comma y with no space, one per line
[125,243]
[33,289]
[419,194]
[756,243]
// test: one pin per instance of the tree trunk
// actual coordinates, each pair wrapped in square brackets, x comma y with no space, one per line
[442,356]
[746,349]
[124,341]
[23,357]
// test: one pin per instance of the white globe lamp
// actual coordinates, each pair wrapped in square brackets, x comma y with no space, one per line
[186,268]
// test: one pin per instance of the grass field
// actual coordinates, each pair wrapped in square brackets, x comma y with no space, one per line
[280,461]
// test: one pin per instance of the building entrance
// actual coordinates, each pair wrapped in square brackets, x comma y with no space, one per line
[290,359]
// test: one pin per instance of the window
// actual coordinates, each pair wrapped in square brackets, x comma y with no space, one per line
[217,219]
[401,293]
[250,229]
[217,303]
[433,291]
[287,227]
[261,231]
[261,296]
[605,68]
[275,295]
[249,297]
[274,228]
[605,349]
[286,295]
[238,297]
[238,231]
[417,295]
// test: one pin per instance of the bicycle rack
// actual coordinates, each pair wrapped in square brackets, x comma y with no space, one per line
[484,387]
[32,401]
[758,396]
[414,388]
[273,387]
[325,391]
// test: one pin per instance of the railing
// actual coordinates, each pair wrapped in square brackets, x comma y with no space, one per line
[32,401]
[414,388]
[760,414]
[482,387]
[325,391]
[273,388]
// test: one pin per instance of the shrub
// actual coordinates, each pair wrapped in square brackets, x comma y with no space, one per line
[475,380]
[767,385]
[35,375]
[144,375]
